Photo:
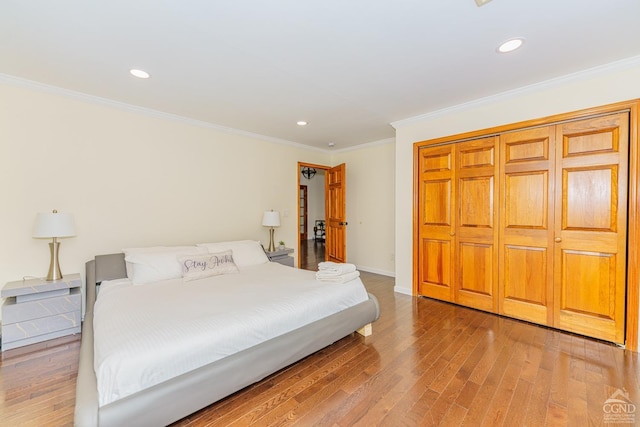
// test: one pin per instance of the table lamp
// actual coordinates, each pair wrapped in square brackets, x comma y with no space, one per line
[271,219]
[52,226]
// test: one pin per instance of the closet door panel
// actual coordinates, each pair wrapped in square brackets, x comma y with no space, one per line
[526,219]
[525,285]
[475,154]
[436,267]
[476,202]
[591,198]
[436,219]
[476,233]
[527,200]
[437,206]
[596,274]
[590,233]
[476,275]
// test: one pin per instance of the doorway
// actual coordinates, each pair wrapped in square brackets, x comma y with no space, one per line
[330,225]
[311,215]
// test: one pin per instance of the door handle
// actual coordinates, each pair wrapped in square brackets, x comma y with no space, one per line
[343,223]
[558,239]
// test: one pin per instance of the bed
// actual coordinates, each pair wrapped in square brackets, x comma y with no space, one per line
[113,391]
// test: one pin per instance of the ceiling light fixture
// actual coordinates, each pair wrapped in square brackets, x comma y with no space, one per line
[301,123]
[510,45]
[331,144]
[308,172]
[482,2]
[139,73]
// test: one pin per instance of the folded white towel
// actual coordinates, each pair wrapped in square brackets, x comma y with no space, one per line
[335,267]
[322,274]
[342,278]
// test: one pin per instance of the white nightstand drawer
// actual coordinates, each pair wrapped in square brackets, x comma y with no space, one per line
[42,326]
[12,312]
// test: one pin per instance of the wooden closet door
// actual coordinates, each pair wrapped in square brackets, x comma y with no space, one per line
[436,196]
[476,233]
[591,226]
[527,167]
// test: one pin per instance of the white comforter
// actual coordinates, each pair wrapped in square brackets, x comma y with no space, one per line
[146,334]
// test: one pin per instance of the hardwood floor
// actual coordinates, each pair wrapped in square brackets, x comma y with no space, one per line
[38,383]
[311,253]
[427,363]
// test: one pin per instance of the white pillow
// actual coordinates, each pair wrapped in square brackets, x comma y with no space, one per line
[156,263]
[245,252]
[129,265]
[206,265]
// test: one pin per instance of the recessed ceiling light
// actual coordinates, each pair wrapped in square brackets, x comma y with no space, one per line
[139,73]
[331,144]
[301,123]
[510,45]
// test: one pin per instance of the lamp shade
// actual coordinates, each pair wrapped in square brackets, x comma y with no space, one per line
[271,219]
[54,224]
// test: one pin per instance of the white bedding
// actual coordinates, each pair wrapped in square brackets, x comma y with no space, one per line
[146,334]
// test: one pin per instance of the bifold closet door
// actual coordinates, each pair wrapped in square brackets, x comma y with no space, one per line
[458,219]
[476,224]
[436,196]
[530,223]
[591,226]
[527,225]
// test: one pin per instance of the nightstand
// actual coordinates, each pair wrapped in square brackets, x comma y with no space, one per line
[281,256]
[36,310]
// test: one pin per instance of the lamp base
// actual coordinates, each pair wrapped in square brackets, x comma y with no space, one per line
[54,266]
[272,246]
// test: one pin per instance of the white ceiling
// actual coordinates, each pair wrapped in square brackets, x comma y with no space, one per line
[348,67]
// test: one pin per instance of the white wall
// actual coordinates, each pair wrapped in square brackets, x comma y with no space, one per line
[605,85]
[131,178]
[370,206]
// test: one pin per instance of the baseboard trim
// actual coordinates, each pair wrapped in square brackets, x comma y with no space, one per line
[376,271]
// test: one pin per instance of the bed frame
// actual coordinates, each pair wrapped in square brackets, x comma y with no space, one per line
[178,397]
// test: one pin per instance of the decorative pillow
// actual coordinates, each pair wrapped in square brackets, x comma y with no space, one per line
[207,265]
[157,263]
[245,252]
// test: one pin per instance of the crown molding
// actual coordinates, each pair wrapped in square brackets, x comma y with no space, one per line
[92,99]
[365,145]
[621,65]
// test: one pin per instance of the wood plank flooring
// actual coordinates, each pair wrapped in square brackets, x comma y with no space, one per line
[427,363]
[311,253]
[38,383]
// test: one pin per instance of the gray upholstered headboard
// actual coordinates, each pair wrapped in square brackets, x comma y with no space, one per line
[103,267]
[110,267]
